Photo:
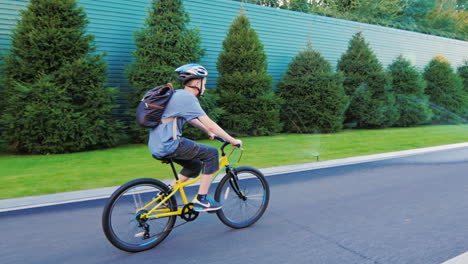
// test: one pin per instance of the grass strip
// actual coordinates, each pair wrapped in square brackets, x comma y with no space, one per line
[26,175]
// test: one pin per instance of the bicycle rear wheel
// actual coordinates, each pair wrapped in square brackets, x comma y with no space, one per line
[244,197]
[122,222]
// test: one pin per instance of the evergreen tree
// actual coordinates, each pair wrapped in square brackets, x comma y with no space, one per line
[374,10]
[163,44]
[55,101]
[244,85]
[313,96]
[368,86]
[2,90]
[463,73]
[445,90]
[409,86]
[300,5]
[270,3]
[209,103]
[415,12]
[340,5]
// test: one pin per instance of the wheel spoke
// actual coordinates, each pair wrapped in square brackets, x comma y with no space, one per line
[255,197]
[124,220]
[236,211]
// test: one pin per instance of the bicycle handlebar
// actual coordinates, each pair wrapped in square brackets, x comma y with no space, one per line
[222,140]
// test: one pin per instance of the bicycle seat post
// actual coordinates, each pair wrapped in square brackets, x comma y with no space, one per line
[173,169]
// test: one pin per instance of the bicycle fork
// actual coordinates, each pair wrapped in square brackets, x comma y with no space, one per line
[234,182]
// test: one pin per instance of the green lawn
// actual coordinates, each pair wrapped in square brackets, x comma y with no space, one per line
[34,175]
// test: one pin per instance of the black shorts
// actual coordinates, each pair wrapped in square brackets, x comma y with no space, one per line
[195,157]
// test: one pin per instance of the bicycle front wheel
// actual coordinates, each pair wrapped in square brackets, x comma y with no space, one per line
[122,220]
[244,197]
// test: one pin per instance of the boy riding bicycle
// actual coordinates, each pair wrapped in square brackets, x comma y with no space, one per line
[166,141]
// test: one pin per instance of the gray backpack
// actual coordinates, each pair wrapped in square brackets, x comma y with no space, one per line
[152,105]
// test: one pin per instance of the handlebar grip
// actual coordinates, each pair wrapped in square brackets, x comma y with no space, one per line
[225,142]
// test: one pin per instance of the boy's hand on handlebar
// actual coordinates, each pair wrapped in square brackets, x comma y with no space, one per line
[236,143]
[212,136]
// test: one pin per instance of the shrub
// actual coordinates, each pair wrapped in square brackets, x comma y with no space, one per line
[409,87]
[445,90]
[463,73]
[372,106]
[313,96]
[250,107]
[300,5]
[271,3]
[163,44]
[55,101]
[209,103]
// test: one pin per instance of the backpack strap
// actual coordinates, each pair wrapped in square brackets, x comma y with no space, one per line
[169,119]
[174,126]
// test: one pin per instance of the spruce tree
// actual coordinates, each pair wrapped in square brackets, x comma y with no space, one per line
[313,96]
[372,102]
[55,101]
[209,104]
[163,44]
[445,90]
[463,73]
[250,107]
[409,87]
[2,89]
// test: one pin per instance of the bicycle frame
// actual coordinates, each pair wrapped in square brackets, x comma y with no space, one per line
[156,212]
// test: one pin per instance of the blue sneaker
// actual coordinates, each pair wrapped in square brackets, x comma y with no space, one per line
[206,205]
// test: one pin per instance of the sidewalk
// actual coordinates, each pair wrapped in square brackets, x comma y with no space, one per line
[93,194]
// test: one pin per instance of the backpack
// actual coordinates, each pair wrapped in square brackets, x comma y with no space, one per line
[152,105]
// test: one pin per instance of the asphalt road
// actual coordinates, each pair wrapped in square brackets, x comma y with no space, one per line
[404,210]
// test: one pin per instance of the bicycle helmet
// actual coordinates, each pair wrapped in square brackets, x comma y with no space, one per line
[191,71]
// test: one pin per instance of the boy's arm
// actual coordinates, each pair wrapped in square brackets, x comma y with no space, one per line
[214,128]
[196,123]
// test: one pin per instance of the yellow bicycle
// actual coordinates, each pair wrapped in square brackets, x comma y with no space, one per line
[141,213]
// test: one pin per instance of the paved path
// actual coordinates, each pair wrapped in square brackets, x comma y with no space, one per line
[405,210]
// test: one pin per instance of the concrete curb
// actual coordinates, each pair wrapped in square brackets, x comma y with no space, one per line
[94,194]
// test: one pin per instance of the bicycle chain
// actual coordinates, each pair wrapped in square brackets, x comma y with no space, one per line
[186,222]
[191,215]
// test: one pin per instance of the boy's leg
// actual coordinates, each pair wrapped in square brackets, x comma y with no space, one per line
[205,184]
[191,169]
[182,178]
[190,151]
[202,202]
[209,156]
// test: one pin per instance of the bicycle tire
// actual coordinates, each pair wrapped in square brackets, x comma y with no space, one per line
[233,206]
[113,218]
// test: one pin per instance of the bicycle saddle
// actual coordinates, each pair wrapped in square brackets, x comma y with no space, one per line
[163,160]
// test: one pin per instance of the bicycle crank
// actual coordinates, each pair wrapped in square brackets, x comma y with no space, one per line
[188,214]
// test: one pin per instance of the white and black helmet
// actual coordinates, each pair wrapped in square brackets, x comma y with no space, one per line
[191,71]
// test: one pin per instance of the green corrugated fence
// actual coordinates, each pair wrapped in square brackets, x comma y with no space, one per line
[284,33]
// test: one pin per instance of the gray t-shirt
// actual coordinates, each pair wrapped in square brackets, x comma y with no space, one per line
[183,105]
